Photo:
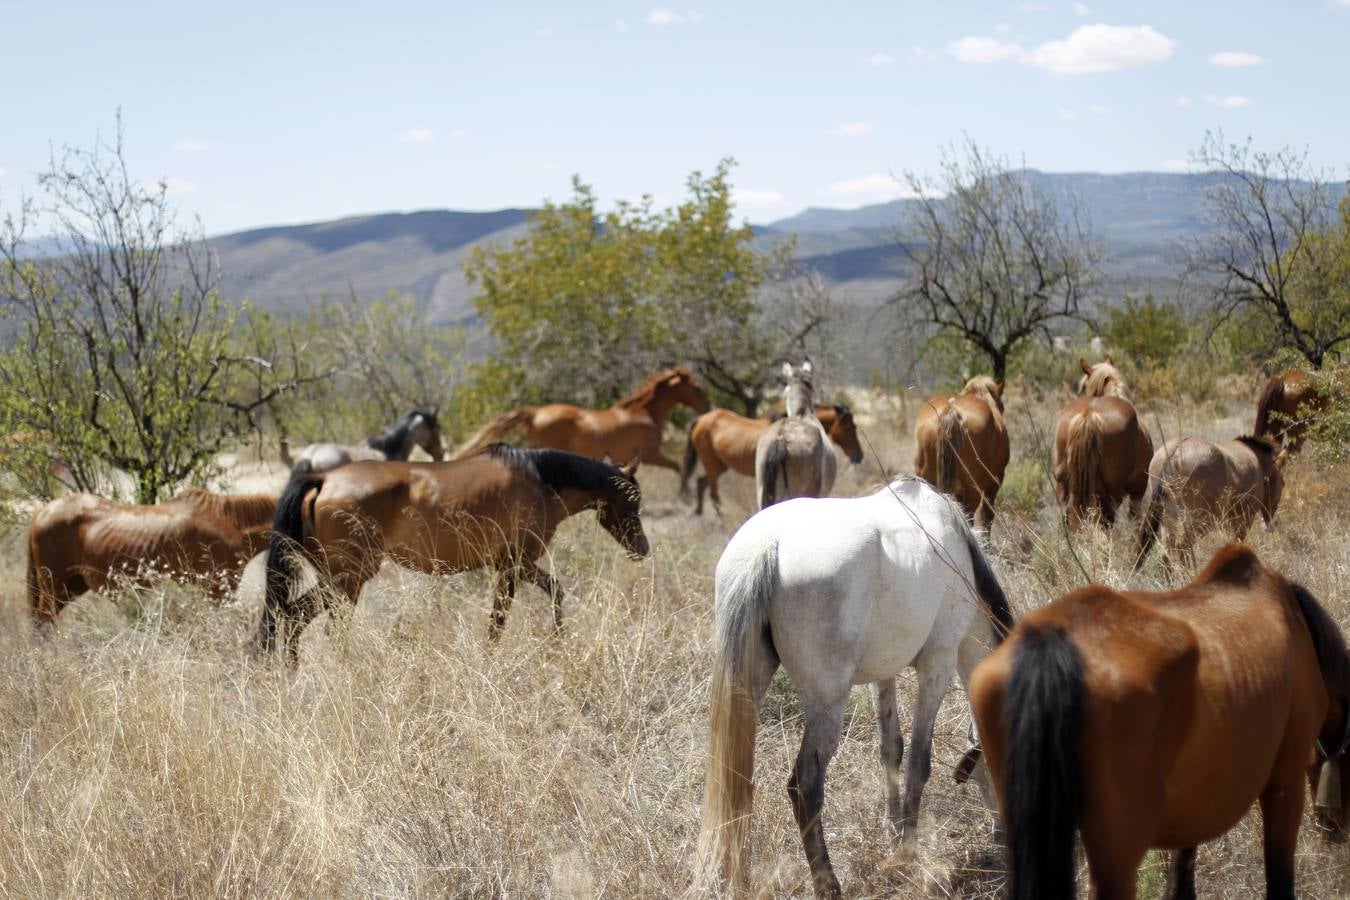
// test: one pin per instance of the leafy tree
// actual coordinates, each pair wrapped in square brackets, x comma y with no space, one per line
[1146,329]
[994,259]
[587,303]
[1278,255]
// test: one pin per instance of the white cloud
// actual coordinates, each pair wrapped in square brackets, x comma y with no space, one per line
[191,145]
[1080,9]
[749,200]
[878,59]
[1066,114]
[851,129]
[179,186]
[1175,165]
[457,134]
[417,136]
[873,188]
[1345,3]
[1231,102]
[662,16]
[3,171]
[1182,101]
[1235,59]
[983,50]
[1101,48]
[1098,110]
[620,25]
[923,55]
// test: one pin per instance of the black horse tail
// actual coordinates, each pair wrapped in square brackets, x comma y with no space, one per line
[289,530]
[1272,397]
[1043,712]
[775,466]
[690,459]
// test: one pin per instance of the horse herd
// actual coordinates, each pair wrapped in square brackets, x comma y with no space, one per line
[1136,720]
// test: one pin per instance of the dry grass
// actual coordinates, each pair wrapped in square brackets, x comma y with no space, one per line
[143,755]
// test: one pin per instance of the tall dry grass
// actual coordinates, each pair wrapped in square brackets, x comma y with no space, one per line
[141,754]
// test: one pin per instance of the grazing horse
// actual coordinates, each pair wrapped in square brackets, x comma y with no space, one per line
[794,451]
[1197,486]
[1102,449]
[1286,407]
[417,428]
[81,542]
[723,441]
[839,592]
[1146,720]
[961,446]
[631,427]
[499,508]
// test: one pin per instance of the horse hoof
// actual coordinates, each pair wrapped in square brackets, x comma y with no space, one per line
[827,888]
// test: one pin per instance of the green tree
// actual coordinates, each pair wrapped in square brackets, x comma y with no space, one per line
[1146,330]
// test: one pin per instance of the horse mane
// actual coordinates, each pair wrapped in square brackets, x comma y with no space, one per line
[1272,395]
[1260,445]
[240,510]
[558,469]
[984,386]
[644,391]
[1328,641]
[841,410]
[1095,384]
[393,437]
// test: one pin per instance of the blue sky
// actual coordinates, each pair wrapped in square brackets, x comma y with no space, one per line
[283,112]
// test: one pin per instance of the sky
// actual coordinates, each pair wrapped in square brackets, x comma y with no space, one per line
[260,114]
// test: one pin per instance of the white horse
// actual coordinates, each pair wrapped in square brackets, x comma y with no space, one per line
[841,592]
[793,457]
[417,428]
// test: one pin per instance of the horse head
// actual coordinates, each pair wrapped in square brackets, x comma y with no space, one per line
[844,432]
[686,388]
[800,390]
[985,386]
[1102,379]
[424,430]
[619,509]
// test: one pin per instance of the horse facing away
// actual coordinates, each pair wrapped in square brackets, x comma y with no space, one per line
[1286,407]
[1197,486]
[839,592]
[417,428]
[961,446]
[723,441]
[631,427]
[1102,449]
[793,456]
[82,542]
[1148,720]
[499,508]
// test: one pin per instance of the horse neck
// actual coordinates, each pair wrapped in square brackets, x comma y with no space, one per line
[395,443]
[658,402]
[249,511]
[800,400]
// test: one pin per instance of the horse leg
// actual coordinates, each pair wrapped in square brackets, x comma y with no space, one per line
[1181,876]
[701,485]
[892,742]
[501,601]
[971,652]
[549,585]
[1281,813]
[935,674]
[806,789]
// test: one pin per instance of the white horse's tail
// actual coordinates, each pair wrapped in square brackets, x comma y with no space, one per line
[743,614]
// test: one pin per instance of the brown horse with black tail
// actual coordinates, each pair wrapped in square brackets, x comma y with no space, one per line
[961,446]
[82,542]
[498,508]
[1155,720]
[631,427]
[1286,407]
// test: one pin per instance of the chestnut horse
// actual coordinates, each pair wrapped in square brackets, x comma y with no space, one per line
[1102,449]
[1286,407]
[723,441]
[1148,720]
[961,446]
[793,456]
[631,427]
[81,542]
[1197,486]
[498,508]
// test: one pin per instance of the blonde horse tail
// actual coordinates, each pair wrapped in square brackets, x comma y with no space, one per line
[1272,396]
[1083,460]
[494,430]
[728,794]
[951,438]
[775,466]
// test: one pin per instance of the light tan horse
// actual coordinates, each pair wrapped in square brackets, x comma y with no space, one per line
[631,427]
[81,542]
[1197,486]
[1286,407]
[499,508]
[1102,449]
[961,446]
[724,442]
[793,456]
[1157,720]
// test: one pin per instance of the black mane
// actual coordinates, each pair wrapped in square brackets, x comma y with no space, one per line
[841,410]
[558,469]
[391,442]
[1259,444]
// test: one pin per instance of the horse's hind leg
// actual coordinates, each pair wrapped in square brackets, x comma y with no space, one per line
[806,788]
[1281,813]
[892,745]
[935,674]
[1181,876]
[504,593]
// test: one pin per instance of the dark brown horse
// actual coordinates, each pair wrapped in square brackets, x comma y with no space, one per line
[1286,407]
[961,446]
[498,508]
[631,427]
[1102,449]
[725,442]
[1148,720]
[81,542]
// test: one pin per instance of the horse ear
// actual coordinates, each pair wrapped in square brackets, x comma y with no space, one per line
[631,469]
[1109,361]
[806,367]
[1000,385]
[1087,370]
[1282,458]
[787,370]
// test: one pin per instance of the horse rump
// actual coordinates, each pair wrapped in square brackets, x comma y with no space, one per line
[1083,460]
[493,431]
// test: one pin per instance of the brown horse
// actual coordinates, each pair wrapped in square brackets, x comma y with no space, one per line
[499,508]
[1102,449]
[1198,486]
[723,441]
[81,542]
[631,427]
[1150,720]
[1286,407]
[961,446]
